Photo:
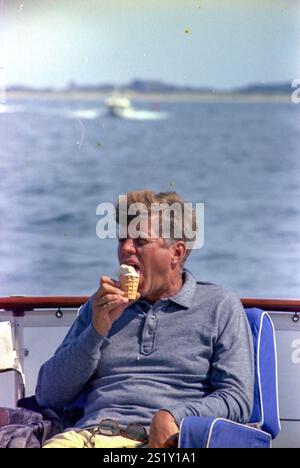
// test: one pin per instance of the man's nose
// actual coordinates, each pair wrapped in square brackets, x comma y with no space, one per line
[127,246]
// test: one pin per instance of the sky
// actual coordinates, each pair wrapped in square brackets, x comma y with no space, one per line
[217,43]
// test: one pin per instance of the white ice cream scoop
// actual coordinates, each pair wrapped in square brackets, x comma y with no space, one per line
[128,270]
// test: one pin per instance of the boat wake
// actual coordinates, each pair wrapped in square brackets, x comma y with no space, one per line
[125,112]
[9,109]
[134,114]
[84,114]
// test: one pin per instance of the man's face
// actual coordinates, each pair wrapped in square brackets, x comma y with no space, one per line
[152,259]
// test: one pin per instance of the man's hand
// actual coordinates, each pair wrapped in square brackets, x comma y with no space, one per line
[108,305]
[163,431]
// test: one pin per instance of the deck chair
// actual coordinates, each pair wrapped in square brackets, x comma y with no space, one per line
[264,423]
[8,356]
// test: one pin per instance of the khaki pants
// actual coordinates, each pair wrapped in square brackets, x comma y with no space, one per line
[83,439]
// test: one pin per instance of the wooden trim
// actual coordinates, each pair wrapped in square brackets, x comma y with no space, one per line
[280,305]
[25,303]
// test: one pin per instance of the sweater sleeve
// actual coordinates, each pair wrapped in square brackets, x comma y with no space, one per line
[63,376]
[232,370]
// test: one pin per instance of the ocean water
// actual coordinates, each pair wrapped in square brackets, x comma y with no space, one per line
[60,159]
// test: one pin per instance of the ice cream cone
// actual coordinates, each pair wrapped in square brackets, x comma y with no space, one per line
[129,281]
[129,285]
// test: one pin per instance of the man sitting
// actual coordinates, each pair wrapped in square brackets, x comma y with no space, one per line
[182,348]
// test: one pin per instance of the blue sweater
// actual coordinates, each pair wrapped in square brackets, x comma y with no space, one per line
[190,354]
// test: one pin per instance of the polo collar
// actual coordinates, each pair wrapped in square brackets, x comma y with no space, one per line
[185,295]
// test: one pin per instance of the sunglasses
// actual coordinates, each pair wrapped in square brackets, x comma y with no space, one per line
[109,427]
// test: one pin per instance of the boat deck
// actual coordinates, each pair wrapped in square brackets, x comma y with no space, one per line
[40,323]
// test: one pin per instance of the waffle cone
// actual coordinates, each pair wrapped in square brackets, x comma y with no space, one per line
[129,285]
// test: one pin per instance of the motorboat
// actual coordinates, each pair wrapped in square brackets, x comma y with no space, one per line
[118,106]
[34,319]
[121,106]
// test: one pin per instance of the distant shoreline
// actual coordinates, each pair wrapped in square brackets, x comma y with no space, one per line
[168,97]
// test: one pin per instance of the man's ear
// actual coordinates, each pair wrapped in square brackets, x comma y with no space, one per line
[178,252]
